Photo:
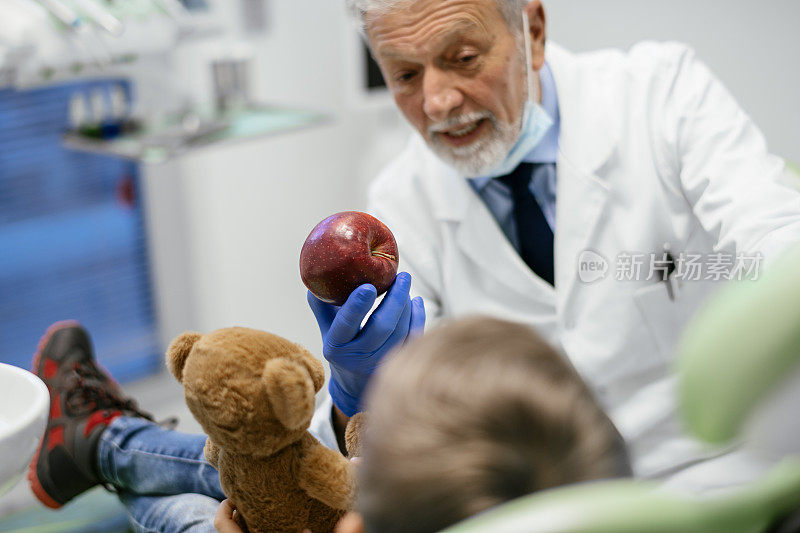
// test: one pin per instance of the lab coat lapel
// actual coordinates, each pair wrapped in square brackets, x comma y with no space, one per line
[480,237]
[587,149]
[580,203]
[477,234]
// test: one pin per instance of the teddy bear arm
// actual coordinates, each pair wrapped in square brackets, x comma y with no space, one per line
[354,434]
[327,476]
[211,452]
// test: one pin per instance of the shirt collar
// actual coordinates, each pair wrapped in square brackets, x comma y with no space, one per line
[547,149]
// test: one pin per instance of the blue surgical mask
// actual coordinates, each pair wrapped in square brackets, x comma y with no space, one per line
[535,123]
[535,120]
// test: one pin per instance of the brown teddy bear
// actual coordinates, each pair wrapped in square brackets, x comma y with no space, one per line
[253,394]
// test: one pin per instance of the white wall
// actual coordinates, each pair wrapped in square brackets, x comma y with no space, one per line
[753,47]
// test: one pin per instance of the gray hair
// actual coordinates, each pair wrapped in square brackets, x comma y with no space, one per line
[510,9]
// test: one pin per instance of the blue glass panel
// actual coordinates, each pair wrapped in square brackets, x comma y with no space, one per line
[72,241]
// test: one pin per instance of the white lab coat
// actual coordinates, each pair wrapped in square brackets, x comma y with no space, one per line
[653,150]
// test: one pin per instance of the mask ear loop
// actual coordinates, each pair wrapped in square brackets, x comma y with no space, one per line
[526,36]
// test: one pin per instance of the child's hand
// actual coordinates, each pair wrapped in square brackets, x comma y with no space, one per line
[223,520]
[350,523]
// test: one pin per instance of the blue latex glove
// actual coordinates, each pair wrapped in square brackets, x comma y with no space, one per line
[355,352]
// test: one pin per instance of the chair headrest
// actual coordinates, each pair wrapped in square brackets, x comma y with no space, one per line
[739,348]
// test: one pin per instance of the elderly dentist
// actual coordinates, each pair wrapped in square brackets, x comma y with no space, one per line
[535,181]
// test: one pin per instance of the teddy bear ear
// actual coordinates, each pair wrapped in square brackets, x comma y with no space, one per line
[314,367]
[317,372]
[179,350]
[290,392]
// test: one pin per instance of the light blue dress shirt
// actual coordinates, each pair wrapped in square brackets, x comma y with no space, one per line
[497,196]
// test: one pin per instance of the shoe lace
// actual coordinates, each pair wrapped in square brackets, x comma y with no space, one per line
[92,391]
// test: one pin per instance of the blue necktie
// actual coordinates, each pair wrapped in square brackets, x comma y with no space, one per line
[535,235]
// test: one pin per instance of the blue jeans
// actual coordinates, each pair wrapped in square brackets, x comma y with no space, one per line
[162,476]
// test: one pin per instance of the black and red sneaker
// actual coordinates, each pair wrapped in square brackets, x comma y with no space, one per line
[84,400]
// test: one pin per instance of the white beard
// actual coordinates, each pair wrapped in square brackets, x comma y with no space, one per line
[488,151]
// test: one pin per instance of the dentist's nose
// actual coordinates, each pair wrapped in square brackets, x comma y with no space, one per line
[440,96]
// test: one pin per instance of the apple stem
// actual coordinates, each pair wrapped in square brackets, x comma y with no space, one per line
[384,255]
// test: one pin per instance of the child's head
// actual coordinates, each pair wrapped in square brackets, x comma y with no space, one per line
[475,413]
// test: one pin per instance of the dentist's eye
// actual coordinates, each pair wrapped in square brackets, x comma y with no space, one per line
[405,77]
[467,59]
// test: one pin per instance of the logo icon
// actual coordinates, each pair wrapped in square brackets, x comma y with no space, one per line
[591,266]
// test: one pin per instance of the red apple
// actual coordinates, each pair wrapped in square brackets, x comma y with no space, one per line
[347,250]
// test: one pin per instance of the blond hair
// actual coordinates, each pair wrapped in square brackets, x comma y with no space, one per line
[475,413]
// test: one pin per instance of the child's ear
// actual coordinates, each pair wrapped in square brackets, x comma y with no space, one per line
[352,522]
[178,351]
[290,391]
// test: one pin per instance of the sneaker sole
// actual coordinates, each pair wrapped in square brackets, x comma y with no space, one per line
[33,478]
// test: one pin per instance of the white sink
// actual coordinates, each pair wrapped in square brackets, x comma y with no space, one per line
[24,404]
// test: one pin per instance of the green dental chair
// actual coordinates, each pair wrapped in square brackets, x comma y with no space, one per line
[741,348]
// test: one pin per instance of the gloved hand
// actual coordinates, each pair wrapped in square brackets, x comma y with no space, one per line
[355,352]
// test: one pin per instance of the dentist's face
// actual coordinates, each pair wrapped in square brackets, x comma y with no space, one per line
[458,75]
